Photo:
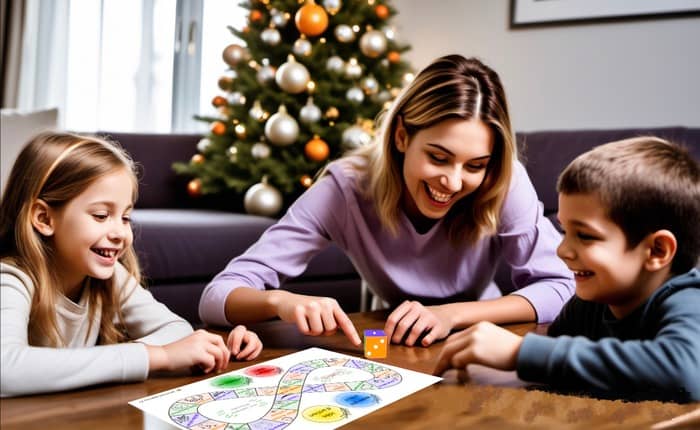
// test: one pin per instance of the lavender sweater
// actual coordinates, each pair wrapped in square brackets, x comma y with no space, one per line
[409,266]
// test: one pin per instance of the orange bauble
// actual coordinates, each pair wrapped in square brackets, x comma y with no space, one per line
[218,101]
[194,188]
[382,11]
[311,19]
[316,149]
[393,57]
[218,128]
[255,15]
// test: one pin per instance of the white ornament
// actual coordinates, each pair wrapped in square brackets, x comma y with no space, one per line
[203,144]
[260,150]
[370,85]
[382,96]
[344,33]
[332,6]
[265,74]
[302,47]
[292,77]
[281,129]
[279,19]
[234,54]
[355,137]
[271,36]
[373,43]
[355,95]
[353,70]
[236,98]
[262,199]
[335,64]
[310,113]
[257,112]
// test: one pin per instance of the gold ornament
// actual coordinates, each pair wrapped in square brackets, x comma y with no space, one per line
[332,113]
[394,57]
[197,159]
[194,187]
[306,180]
[234,54]
[218,101]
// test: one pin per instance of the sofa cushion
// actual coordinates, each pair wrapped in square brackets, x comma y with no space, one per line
[547,153]
[190,244]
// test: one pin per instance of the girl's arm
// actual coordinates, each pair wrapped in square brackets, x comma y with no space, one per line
[29,369]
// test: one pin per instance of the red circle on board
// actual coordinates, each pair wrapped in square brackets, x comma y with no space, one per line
[263,371]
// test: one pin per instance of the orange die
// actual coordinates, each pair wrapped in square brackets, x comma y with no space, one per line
[375,344]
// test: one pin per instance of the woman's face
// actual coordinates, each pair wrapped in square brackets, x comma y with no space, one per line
[442,164]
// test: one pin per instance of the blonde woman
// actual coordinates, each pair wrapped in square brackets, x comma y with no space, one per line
[425,213]
[73,312]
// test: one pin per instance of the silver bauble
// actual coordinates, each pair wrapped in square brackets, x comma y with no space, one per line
[369,85]
[281,129]
[373,43]
[344,33]
[271,36]
[355,95]
[355,137]
[262,199]
[234,54]
[260,150]
[292,77]
[236,98]
[382,96]
[257,112]
[332,6]
[335,64]
[302,47]
[310,113]
[353,70]
[265,74]
[279,19]
[203,144]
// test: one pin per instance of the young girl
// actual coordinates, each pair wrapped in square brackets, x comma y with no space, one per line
[73,312]
[425,213]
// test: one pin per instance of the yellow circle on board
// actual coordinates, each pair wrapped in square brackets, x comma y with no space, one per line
[324,414]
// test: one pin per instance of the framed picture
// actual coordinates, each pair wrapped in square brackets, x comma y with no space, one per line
[538,12]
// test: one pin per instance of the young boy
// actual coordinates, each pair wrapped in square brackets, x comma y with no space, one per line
[631,214]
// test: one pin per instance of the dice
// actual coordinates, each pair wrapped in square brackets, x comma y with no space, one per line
[375,344]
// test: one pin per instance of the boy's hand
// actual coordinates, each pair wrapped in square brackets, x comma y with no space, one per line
[483,343]
[241,336]
[317,316]
[201,348]
[412,320]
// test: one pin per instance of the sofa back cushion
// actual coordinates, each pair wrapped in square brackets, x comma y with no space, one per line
[546,153]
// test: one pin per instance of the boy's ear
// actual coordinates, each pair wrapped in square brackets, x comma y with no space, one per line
[400,135]
[662,248]
[41,218]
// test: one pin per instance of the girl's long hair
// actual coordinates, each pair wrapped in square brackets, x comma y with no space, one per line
[450,87]
[56,168]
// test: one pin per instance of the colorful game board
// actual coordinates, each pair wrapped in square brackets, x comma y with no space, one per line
[314,388]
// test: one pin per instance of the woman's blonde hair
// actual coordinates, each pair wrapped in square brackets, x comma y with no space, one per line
[56,168]
[450,87]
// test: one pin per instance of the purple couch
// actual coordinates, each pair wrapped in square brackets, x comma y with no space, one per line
[183,242]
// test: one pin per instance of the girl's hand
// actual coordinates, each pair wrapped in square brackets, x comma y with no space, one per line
[317,316]
[239,336]
[412,320]
[201,348]
[483,343]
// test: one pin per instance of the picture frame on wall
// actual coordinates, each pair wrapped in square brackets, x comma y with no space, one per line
[543,12]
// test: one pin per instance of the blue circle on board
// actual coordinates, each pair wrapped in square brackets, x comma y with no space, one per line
[356,399]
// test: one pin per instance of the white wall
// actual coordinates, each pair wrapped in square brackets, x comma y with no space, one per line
[634,73]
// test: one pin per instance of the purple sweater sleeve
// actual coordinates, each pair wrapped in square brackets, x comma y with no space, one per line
[529,242]
[284,250]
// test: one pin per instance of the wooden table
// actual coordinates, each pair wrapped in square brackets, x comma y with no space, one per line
[488,399]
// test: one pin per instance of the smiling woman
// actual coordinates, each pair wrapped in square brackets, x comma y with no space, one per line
[425,212]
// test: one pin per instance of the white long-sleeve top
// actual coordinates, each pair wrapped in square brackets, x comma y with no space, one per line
[31,369]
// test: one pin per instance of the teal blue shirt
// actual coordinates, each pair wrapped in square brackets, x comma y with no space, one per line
[653,353]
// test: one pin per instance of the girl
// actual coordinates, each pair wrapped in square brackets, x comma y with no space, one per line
[73,312]
[425,213]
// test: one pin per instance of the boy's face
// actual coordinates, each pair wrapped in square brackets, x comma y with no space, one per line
[595,249]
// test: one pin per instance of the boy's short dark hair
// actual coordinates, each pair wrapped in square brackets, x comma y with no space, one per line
[647,184]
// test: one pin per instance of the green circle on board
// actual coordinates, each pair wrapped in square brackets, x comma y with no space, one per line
[231,381]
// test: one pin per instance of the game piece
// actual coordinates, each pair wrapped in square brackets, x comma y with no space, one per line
[375,344]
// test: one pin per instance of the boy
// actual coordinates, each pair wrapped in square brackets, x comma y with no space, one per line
[631,213]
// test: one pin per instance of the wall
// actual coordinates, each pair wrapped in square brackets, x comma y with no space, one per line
[628,73]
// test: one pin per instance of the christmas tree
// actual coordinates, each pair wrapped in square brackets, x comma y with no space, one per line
[304,86]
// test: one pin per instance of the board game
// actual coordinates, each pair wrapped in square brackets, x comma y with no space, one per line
[313,388]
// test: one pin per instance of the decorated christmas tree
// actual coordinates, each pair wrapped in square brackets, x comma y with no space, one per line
[304,85]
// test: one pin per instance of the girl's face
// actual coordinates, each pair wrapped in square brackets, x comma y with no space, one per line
[442,164]
[93,230]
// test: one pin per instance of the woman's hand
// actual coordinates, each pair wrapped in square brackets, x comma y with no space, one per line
[240,336]
[316,316]
[411,320]
[201,348]
[483,343]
